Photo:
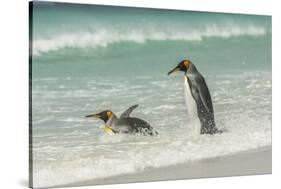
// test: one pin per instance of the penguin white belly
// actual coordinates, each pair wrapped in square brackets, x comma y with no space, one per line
[191,107]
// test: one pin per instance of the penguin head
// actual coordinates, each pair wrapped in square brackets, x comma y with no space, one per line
[104,115]
[182,66]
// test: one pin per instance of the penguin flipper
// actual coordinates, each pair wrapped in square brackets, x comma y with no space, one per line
[128,111]
[203,100]
[204,94]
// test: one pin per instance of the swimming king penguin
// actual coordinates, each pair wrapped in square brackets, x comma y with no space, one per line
[197,98]
[124,124]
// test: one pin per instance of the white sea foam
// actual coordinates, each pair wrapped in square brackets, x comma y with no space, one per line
[243,134]
[71,154]
[105,37]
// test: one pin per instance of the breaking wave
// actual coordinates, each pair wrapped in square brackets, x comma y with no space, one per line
[105,37]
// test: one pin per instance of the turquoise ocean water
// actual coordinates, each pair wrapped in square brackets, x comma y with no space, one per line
[86,59]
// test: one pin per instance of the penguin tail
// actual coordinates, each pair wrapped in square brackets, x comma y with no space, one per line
[156,133]
[219,131]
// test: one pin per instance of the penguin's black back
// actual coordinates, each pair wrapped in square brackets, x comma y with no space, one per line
[136,125]
[206,117]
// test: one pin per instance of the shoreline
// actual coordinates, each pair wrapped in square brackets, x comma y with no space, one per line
[252,162]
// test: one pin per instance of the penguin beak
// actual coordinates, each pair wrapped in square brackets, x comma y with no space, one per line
[176,69]
[93,115]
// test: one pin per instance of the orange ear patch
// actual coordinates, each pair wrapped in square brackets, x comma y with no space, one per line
[108,114]
[186,63]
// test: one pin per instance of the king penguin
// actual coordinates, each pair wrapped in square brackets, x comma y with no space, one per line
[197,98]
[124,124]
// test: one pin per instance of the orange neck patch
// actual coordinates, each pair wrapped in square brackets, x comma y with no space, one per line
[107,129]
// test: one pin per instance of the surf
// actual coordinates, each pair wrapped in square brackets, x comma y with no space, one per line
[102,38]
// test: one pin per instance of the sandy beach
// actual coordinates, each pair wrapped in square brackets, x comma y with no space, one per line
[258,161]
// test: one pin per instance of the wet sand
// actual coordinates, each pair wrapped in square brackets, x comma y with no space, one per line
[257,161]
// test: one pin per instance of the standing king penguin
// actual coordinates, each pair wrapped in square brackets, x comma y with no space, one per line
[197,98]
[124,124]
